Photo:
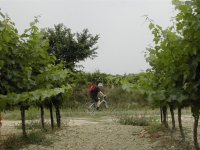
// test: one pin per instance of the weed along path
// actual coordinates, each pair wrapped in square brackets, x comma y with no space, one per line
[96,134]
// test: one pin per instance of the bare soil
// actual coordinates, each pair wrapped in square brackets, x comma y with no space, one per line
[87,134]
[101,134]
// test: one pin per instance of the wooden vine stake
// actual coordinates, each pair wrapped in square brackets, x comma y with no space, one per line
[0,126]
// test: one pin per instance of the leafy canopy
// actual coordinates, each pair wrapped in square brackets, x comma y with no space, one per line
[27,72]
[71,47]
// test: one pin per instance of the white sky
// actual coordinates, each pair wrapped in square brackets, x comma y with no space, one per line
[124,34]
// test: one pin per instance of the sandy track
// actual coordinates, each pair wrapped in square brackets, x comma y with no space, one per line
[84,134]
[100,134]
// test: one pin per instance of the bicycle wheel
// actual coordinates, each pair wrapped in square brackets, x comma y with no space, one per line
[90,107]
[107,106]
[104,105]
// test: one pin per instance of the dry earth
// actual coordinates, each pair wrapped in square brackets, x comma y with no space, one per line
[87,134]
[98,134]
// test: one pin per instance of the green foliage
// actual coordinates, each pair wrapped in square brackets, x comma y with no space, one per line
[71,47]
[29,75]
[175,56]
[123,99]
[175,60]
[106,79]
[115,87]
[30,97]
[28,72]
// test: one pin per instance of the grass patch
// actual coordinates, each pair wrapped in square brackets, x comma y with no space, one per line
[31,114]
[36,125]
[82,113]
[31,125]
[136,120]
[39,138]
[162,138]
[16,142]
[155,128]
[34,113]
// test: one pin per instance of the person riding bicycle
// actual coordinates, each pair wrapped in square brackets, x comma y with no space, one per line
[95,90]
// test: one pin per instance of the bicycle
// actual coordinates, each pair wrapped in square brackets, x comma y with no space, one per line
[91,107]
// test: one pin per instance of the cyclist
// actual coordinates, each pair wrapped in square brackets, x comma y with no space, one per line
[95,90]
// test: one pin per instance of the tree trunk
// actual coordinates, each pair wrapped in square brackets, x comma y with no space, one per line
[58,116]
[164,108]
[172,116]
[195,113]
[22,109]
[161,115]
[196,119]
[42,115]
[180,124]
[51,115]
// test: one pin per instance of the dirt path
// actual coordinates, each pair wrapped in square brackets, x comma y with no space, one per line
[104,134]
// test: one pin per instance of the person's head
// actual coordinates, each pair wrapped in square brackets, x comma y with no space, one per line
[100,85]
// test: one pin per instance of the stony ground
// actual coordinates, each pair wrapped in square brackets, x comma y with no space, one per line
[84,134]
[99,134]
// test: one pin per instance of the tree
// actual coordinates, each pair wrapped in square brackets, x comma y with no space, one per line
[71,47]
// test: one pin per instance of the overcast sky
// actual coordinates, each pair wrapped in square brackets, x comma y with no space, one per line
[124,34]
